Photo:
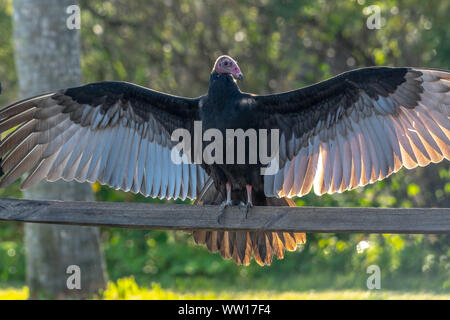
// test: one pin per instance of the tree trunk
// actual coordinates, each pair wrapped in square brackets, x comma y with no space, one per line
[48,58]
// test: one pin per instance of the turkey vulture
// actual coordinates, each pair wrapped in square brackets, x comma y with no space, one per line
[348,131]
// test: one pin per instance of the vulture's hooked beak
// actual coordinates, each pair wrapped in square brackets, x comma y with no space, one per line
[238,76]
[236,72]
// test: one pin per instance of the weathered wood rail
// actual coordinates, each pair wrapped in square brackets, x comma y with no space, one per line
[187,217]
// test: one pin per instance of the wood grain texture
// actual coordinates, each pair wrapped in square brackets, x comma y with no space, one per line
[187,217]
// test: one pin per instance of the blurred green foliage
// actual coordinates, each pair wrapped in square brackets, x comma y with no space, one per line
[170,45]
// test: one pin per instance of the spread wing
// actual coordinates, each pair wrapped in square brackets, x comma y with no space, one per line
[357,128]
[116,133]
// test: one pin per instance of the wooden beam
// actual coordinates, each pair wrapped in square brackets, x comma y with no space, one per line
[187,217]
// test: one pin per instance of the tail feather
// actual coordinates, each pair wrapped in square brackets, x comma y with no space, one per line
[225,247]
[277,246]
[243,245]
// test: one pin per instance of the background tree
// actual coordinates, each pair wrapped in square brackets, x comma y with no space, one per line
[48,58]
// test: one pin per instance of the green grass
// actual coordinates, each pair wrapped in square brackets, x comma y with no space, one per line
[128,289]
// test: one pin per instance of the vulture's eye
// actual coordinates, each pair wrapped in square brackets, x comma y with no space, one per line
[226,63]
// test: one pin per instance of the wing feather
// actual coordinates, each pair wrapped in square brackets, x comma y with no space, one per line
[358,128]
[112,132]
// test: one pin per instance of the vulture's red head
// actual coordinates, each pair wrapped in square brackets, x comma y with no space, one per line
[226,65]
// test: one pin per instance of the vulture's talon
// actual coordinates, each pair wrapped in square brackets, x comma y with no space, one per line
[247,206]
[222,207]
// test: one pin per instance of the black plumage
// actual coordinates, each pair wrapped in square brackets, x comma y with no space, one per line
[356,128]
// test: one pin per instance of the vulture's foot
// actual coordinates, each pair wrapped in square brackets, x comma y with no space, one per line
[222,206]
[247,206]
